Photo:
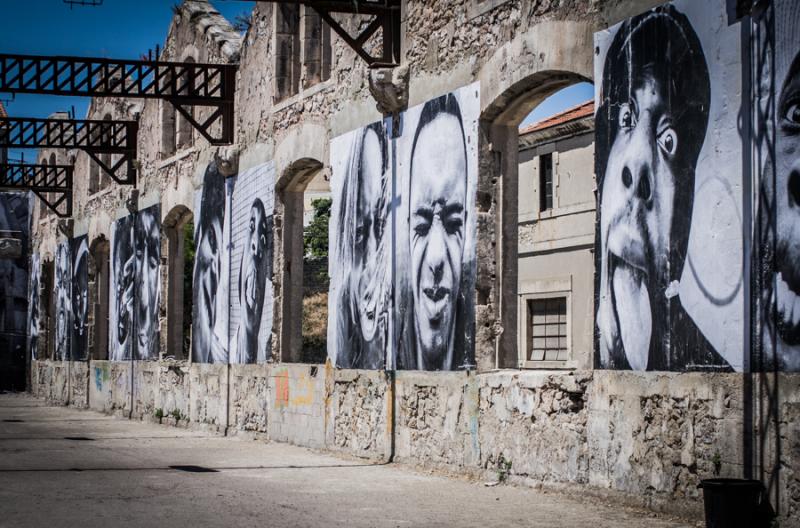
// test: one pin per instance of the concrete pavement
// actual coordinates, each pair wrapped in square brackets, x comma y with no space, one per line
[66,467]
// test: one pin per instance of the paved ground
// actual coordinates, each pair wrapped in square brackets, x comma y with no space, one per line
[120,475]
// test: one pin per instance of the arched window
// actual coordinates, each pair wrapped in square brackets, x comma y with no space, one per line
[168,115]
[179,239]
[106,158]
[98,288]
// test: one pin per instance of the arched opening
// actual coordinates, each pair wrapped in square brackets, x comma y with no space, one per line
[305,198]
[184,136]
[52,158]
[532,278]
[178,226]
[44,210]
[106,158]
[99,255]
[168,123]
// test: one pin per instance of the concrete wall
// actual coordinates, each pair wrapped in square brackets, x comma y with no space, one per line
[643,438]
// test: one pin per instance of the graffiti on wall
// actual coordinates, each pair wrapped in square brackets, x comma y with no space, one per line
[233,296]
[669,271]
[778,150]
[135,286]
[401,219]
[33,307]
[63,292]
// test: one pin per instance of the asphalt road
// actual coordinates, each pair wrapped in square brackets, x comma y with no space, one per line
[74,468]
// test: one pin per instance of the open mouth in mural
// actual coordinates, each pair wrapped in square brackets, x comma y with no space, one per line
[631,302]
[787,307]
[435,301]
[250,289]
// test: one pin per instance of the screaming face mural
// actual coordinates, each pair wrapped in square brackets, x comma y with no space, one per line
[135,286]
[80,297]
[779,209]
[251,294]
[63,283]
[424,248]
[652,117]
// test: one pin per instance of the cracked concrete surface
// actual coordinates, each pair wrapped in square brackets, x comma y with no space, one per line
[119,475]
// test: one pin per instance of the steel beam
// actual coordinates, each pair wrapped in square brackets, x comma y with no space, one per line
[41,179]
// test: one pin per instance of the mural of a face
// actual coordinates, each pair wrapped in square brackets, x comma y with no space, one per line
[369,262]
[63,283]
[784,285]
[208,251]
[123,267]
[651,124]
[252,281]
[80,297]
[147,252]
[33,321]
[437,211]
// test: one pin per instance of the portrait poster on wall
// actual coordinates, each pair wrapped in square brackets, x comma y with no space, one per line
[777,143]
[63,294]
[33,305]
[210,327]
[251,253]
[79,251]
[669,246]
[402,219]
[135,286]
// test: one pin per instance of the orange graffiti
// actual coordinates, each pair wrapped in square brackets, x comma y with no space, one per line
[282,389]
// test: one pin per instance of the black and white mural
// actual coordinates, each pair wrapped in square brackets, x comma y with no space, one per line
[63,295]
[402,218]
[79,253]
[360,249]
[211,269]
[669,257]
[33,306]
[147,257]
[251,253]
[135,286]
[778,150]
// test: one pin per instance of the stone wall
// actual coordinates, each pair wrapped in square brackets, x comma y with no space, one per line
[643,438]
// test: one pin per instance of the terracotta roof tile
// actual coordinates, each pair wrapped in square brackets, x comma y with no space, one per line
[580,111]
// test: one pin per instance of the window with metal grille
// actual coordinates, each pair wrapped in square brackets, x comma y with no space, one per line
[547,319]
[545,182]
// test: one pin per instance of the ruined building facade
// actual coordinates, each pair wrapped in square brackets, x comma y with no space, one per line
[185,294]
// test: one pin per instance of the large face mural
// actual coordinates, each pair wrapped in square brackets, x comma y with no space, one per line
[251,294]
[33,306]
[80,297]
[210,321]
[660,298]
[135,286]
[360,249]
[779,208]
[424,248]
[63,286]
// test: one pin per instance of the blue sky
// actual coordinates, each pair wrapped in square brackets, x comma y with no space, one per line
[127,29]
[561,100]
[120,29]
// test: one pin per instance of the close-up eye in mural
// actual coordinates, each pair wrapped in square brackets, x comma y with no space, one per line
[80,298]
[360,249]
[121,291]
[147,254]
[780,195]
[651,125]
[63,285]
[251,264]
[33,308]
[209,320]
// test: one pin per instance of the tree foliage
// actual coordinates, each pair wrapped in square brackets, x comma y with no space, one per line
[315,235]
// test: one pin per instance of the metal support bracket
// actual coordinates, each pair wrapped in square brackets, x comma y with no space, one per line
[44,181]
[95,137]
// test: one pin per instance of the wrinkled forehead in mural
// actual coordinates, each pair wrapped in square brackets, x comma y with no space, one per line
[780,204]
[651,121]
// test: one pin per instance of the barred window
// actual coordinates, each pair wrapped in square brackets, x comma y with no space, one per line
[547,319]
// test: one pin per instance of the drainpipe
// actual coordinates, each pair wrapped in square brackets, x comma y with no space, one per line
[391,360]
